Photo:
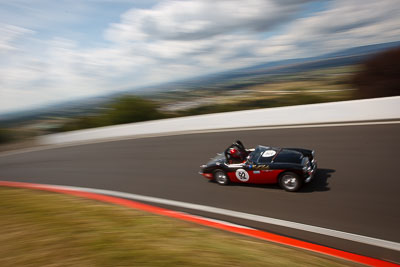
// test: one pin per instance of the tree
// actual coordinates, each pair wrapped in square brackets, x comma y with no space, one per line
[6,136]
[380,76]
[132,109]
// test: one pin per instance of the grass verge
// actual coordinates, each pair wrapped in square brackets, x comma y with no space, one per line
[47,229]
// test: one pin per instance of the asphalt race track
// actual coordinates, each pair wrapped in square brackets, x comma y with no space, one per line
[356,189]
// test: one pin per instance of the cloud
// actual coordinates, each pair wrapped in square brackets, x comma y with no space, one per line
[9,34]
[201,19]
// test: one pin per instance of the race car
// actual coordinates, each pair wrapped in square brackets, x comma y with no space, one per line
[289,167]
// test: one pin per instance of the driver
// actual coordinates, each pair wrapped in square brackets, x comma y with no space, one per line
[235,155]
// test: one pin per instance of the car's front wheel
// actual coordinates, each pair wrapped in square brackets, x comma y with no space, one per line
[220,177]
[290,181]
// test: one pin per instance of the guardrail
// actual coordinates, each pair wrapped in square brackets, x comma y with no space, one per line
[345,111]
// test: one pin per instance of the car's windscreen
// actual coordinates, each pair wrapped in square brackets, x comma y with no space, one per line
[253,157]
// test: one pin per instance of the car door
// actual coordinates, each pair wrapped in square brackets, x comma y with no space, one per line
[264,171]
[255,174]
[265,174]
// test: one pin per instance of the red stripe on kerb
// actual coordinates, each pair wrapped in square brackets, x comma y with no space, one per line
[203,221]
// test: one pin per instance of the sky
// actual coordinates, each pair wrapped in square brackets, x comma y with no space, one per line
[58,50]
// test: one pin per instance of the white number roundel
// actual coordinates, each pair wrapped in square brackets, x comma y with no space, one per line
[242,175]
[269,153]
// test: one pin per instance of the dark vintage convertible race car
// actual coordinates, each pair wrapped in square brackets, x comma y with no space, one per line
[290,167]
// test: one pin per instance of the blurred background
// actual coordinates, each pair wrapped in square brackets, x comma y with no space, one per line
[70,65]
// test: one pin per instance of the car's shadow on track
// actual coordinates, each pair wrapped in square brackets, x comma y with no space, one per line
[318,184]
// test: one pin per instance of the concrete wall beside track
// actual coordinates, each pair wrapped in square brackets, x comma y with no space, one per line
[387,108]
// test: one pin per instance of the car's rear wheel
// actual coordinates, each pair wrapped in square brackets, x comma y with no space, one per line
[221,177]
[290,181]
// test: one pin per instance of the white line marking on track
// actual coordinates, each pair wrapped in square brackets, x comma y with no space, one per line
[236,214]
[105,140]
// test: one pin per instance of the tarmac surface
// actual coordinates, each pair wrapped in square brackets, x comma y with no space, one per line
[355,189]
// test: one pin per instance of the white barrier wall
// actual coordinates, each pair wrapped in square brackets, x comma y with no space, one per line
[345,111]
